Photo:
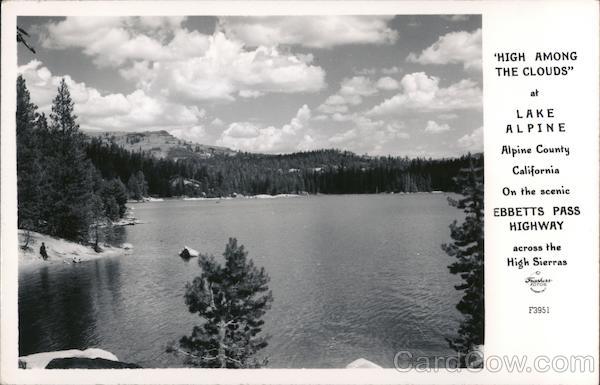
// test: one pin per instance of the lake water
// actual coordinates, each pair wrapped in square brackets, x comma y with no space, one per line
[352,276]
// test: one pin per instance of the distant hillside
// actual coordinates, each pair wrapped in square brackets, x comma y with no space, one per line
[160,144]
[173,167]
[233,173]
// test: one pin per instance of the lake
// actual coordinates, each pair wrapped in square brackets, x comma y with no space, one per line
[352,276]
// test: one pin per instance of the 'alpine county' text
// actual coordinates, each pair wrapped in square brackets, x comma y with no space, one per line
[539,149]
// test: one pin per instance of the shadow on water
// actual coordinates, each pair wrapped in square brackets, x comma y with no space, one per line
[65,310]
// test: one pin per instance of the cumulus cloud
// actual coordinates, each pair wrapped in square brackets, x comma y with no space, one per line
[217,122]
[175,70]
[248,136]
[196,134]
[358,132]
[363,134]
[387,83]
[433,127]
[162,57]
[250,93]
[354,88]
[454,47]
[227,69]
[116,111]
[309,31]
[111,41]
[473,141]
[351,92]
[391,70]
[373,71]
[423,93]
[330,107]
[241,130]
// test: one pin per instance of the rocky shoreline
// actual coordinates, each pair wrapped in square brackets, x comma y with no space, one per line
[92,358]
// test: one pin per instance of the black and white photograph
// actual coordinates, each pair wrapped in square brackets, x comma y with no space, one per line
[275,192]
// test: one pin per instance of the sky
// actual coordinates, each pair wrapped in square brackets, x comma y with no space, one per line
[404,85]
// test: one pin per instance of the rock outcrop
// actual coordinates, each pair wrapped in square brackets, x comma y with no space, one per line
[41,360]
[89,363]
[362,363]
[188,253]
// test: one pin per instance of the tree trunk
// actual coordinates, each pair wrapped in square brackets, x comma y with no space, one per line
[221,355]
[27,239]
[96,248]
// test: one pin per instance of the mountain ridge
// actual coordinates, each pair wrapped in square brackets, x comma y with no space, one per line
[159,144]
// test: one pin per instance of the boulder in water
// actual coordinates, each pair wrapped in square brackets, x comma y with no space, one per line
[188,253]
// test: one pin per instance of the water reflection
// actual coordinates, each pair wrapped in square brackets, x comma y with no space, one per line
[114,235]
[63,312]
[112,273]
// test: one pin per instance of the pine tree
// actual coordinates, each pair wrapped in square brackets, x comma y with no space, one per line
[133,187]
[116,190]
[70,170]
[231,299]
[468,249]
[142,184]
[29,170]
[137,185]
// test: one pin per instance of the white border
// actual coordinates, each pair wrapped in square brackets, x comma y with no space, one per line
[498,16]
